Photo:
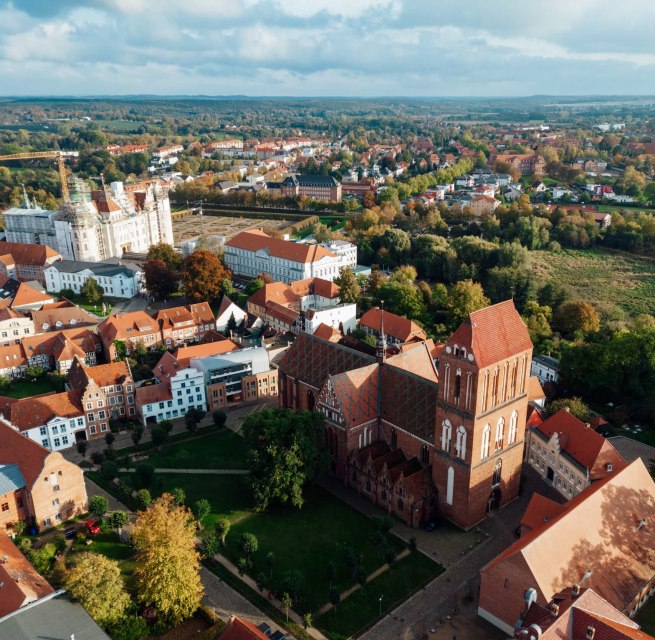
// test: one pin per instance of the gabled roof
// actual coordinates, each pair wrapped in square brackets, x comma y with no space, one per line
[315,286]
[278,292]
[400,328]
[327,333]
[198,314]
[357,393]
[104,375]
[127,326]
[21,583]
[417,359]
[11,478]
[15,448]
[28,413]
[184,354]
[608,529]
[26,296]
[32,254]
[583,444]
[240,629]
[61,318]
[256,240]
[492,334]
[540,510]
[153,393]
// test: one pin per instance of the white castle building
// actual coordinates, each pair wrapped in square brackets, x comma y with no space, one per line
[97,225]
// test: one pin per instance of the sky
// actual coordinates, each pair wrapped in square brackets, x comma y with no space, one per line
[327,47]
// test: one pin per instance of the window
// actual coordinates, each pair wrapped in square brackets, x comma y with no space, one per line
[425,454]
[446,435]
[500,434]
[55,502]
[484,449]
[103,427]
[57,442]
[400,504]
[460,443]
[458,384]
[43,431]
[5,506]
[55,488]
[497,471]
[101,415]
[450,485]
[513,421]
[394,439]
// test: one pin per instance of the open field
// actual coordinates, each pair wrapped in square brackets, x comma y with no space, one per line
[606,278]
[190,227]
[29,388]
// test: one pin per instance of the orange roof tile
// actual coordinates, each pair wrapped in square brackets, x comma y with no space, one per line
[294,251]
[317,287]
[535,390]
[240,629]
[27,295]
[327,333]
[13,355]
[493,334]
[28,413]
[32,254]
[153,393]
[540,510]
[275,292]
[396,326]
[184,354]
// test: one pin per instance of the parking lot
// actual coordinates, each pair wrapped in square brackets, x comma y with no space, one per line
[192,226]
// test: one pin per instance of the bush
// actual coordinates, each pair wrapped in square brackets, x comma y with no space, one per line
[143,499]
[59,541]
[109,470]
[42,558]
[25,545]
[219,418]
[145,472]
[128,628]
[98,457]
[98,506]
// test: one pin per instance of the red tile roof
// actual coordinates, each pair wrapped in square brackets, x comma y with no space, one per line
[396,326]
[26,296]
[327,333]
[32,254]
[583,444]
[240,629]
[256,240]
[540,510]
[127,326]
[274,292]
[317,287]
[28,413]
[153,393]
[197,314]
[184,354]
[493,334]
[15,448]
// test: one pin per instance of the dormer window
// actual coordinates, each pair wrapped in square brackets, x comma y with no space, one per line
[45,326]
[609,467]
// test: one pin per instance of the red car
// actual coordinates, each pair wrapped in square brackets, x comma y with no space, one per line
[92,527]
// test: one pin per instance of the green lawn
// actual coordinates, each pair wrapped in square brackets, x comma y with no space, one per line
[224,450]
[306,540]
[609,279]
[27,388]
[362,608]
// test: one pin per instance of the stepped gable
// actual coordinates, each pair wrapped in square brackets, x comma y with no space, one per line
[493,334]
[312,360]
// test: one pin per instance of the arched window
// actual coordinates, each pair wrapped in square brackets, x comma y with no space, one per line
[513,423]
[450,485]
[425,454]
[494,388]
[498,467]
[484,449]
[368,485]
[515,369]
[400,504]
[485,390]
[310,400]
[446,435]
[394,439]
[458,384]
[354,475]
[460,443]
[500,434]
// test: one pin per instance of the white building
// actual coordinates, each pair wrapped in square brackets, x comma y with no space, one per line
[546,368]
[251,253]
[117,280]
[226,310]
[178,389]
[341,317]
[99,225]
[14,326]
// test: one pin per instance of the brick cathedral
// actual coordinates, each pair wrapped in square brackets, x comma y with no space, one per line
[422,429]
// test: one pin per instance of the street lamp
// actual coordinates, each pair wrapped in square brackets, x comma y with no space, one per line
[381,605]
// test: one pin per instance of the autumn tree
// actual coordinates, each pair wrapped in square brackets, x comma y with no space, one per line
[202,276]
[167,569]
[573,316]
[464,297]
[576,406]
[96,582]
[167,254]
[283,454]
[349,287]
[92,291]
[322,233]
[161,281]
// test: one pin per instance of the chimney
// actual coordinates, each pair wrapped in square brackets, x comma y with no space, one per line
[554,610]
[567,409]
[576,590]
[591,632]
[587,426]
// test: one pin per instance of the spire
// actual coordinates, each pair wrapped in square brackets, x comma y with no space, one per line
[381,346]
[26,201]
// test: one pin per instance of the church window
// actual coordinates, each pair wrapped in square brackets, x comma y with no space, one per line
[513,423]
[450,485]
[400,504]
[446,435]
[458,385]
[425,454]
[500,434]
[498,467]
[484,449]
[394,439]
[460,443]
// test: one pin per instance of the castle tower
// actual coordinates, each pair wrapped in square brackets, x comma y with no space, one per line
[484,371]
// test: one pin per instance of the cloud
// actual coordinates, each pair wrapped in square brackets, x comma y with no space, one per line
[326,47]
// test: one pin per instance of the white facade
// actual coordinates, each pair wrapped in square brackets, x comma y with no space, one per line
[30,225]
[187,391]
[117,280]
[56,434]
[12,330]
[545,368]
[239,315]
[340,317]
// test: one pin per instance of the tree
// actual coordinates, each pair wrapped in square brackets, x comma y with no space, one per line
[231,324]
[248,544]
[145,473]
[137,434]
[201,509]
[98,506]
[349,287]
[82,447]
[96,582]
[179,495]
[576,406]
[167,254]
[117,520]
[202,276]
[322,233]
[572,316]
[167,572]
[222,527]
[210,544]
[193,417]
[220,418]
[294,583]
[464,297]
[166,425]
[143,499]
[397,242]
[402,299]
[283,454]
[335,597]
[253,287]
[331,572]
[42,558]
[92,291]
[270,561]
[161,281]
[128,628]
[158,436]
[307,620]
[287,603]
[34,372]
[110,438]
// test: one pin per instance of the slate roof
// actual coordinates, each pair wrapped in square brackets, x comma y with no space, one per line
[98,268]
[11,478]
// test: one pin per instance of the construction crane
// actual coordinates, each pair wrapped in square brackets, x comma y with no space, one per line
[59,155]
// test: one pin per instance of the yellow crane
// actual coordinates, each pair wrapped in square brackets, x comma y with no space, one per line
[59,155]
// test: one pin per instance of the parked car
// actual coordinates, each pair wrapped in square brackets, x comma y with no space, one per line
[92,527]
[70,533]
